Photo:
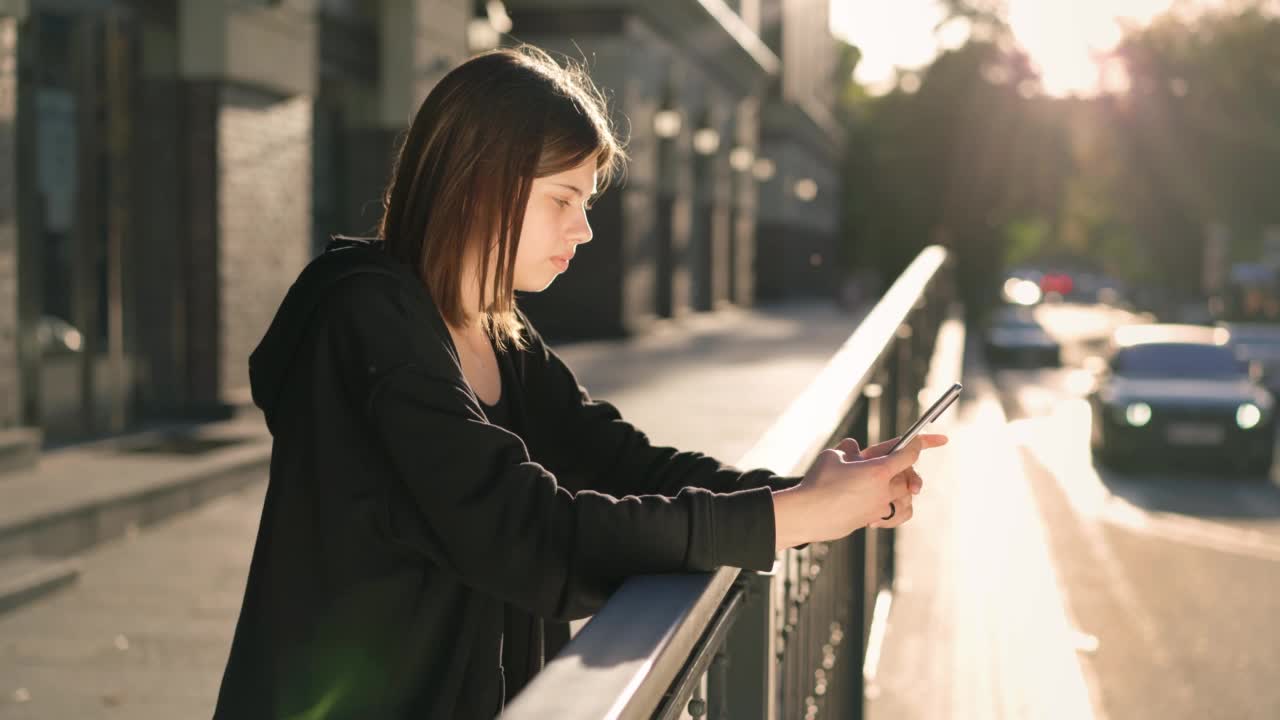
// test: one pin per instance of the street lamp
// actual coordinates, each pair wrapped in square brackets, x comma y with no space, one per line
[763,169]
[487,26]
[706,141]
[667,123]
[806,189]
[740,158]
[498,16]
[481,35]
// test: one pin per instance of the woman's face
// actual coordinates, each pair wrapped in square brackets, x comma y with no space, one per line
[555,223]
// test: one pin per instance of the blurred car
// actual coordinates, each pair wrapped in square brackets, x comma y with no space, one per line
[1014,337]
[1168,388]
[1099,288]
[1056,285]
[1020,291]
[1192,312]
[1258,343]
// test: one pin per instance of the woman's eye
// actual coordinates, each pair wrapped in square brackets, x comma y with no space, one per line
[561,203]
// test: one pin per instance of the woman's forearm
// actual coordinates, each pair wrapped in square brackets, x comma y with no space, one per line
[789,518]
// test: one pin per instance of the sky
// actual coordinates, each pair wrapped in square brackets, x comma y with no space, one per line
[1059,35]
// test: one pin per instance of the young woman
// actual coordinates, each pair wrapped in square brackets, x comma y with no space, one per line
[443,495]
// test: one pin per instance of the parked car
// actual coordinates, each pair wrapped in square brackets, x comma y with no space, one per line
[1014,337]
[1258,343]
[1170,388]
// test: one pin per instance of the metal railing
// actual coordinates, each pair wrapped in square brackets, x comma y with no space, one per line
[779,645]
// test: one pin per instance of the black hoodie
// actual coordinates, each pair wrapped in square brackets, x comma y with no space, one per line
[400,525]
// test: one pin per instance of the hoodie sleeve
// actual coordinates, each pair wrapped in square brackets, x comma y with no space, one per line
[590,440]
[473,503]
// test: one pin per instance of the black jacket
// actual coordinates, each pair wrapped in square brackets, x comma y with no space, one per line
[399,523]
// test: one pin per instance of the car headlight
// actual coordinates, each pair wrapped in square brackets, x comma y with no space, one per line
[1248,416]
[1137,414]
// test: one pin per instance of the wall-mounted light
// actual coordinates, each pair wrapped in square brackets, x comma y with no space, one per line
[763,169]
[498,16]
[481,35]
[667,123]
[485,30]
[806,189]
[740,158]
[706,141]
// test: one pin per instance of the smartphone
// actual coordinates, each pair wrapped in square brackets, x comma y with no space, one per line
[930,415]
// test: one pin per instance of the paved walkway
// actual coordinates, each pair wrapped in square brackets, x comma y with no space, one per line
[145,631]
[978,627]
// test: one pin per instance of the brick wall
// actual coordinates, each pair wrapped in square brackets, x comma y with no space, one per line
[263,218]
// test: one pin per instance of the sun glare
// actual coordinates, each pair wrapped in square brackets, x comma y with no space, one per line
[891,35]
[1065,38]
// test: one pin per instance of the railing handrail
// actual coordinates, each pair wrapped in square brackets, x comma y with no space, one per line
[622,662]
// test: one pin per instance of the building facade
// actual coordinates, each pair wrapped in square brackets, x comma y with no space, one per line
[685,85]
[799,217]
[731,191]
[168,166]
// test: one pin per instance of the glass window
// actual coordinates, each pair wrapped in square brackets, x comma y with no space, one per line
[1178,360]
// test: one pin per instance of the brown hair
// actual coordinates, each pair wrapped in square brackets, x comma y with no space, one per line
[484,133]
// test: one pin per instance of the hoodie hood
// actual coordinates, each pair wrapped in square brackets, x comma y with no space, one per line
[272,360]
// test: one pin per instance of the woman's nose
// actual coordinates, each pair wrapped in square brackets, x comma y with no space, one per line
[581,232]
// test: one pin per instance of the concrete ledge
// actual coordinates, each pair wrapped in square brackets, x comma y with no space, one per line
[19,448]
[25,579]
[82,497]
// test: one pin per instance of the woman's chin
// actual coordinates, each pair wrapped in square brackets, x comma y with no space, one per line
[536,287]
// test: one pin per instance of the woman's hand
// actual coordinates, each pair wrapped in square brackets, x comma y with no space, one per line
[847,488]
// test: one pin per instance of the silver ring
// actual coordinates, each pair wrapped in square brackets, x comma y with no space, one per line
[893,510]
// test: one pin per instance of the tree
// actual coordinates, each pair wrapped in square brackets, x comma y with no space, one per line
[955,154]
[968,152]
[1199,133]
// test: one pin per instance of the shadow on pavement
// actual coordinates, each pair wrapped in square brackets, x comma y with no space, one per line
[1196,484]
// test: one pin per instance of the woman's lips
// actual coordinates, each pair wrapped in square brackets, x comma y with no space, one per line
[561,262]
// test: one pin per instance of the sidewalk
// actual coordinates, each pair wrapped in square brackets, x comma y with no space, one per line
[145,630]
[977,627]
[79,496]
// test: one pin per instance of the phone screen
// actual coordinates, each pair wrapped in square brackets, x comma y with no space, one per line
[930,415]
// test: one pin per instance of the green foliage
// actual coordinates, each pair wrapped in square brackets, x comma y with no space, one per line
[1026,240]
[952,162]
[1199,132]
[976,158]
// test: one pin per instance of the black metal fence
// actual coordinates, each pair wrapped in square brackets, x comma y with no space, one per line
[786,644]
